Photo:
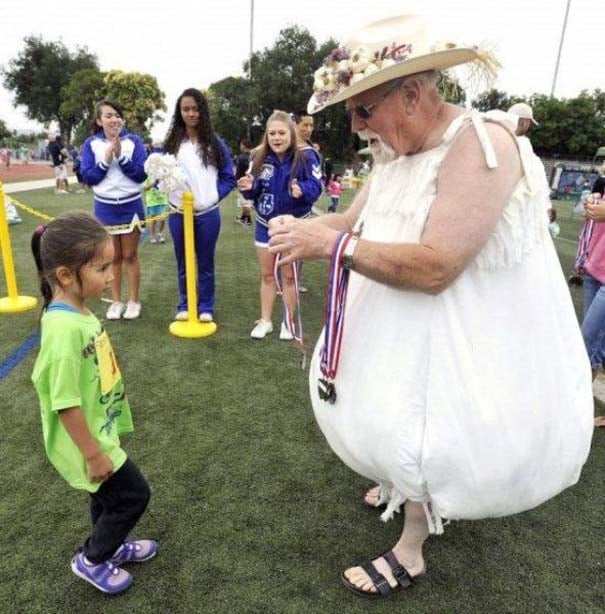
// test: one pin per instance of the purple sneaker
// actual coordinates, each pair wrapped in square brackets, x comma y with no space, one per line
[104,576]
[135,551]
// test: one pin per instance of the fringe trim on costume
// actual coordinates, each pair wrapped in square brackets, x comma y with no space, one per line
[433,519]
[395,500]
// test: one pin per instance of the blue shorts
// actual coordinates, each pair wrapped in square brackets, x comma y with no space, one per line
[132,214]
[156,209]
[261,235]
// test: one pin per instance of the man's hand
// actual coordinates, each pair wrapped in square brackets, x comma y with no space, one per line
[595,208]
[298,239]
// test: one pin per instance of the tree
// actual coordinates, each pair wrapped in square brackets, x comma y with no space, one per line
[140,96]
[4,131]
[568,128]
[79,96]
[495,99]
[232,110]
[282,78]
[39,73]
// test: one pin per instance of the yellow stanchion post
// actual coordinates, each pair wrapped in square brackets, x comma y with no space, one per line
[13,303]
[191,329]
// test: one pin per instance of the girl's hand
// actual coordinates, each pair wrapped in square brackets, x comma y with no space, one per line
[99,467]
[245,183]
[109,154]
[117,147]
[595,208]
[296,191]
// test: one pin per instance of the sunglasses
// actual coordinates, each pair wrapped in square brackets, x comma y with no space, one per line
[365,111]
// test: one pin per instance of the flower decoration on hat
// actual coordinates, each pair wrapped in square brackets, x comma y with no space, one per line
[344,67]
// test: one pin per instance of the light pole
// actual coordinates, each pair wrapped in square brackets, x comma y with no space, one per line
[554,79]
[250,67]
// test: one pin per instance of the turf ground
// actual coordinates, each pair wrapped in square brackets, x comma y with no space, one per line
[252,510]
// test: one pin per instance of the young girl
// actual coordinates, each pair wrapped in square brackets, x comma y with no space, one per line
[207,164]
[286,179]
[335,189]
[82,400]
[156,201]
[113,164]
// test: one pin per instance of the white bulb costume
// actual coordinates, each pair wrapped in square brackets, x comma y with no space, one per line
[477,401]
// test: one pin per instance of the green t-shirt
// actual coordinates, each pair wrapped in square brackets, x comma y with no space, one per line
[155,197]
[76,367]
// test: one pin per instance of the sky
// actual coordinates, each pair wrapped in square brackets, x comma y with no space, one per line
[192,43]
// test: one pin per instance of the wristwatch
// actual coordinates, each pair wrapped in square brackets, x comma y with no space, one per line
[347,255]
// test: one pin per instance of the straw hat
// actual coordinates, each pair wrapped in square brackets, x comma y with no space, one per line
[385,50]
[523,111]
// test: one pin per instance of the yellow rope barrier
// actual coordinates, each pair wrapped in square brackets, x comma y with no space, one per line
[13,303]
[49,218]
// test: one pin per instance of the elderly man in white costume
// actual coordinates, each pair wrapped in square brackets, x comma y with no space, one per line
[463,386]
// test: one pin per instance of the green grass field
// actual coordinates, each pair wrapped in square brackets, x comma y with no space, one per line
[252,510]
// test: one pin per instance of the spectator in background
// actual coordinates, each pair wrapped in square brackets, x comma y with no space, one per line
[74,153]
[590,264]
[242,164]
[524,124]
[5,156]
[58,155]
[328,171]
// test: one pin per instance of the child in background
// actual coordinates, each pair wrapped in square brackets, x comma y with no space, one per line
[335,189]
[82,400]
[74,154]
[156,202]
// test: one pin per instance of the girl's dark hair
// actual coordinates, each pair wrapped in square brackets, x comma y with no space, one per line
[262,151]
[71,240]
[94,127]
[210,150]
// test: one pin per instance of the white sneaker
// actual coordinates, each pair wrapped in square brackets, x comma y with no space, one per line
[206,317]
[161,238]
[153,240]
[115,311]
[261,329]
[284,333]
[182,316]
[133,310]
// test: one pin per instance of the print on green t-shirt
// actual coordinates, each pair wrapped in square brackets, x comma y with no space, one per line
[76,367]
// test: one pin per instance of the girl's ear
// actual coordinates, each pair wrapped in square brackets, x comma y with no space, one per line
[64,276]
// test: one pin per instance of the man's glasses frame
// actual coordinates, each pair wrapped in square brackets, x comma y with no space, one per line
[365,111]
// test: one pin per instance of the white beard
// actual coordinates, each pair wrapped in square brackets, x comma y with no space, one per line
[381,152]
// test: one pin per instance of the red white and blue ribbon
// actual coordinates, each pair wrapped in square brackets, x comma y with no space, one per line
[335,311]
[584,245]
[293,325]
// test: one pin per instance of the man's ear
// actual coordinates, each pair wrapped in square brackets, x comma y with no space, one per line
[410,90]
[64,276]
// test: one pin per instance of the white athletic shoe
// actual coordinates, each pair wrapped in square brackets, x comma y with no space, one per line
[284,333]
[115,311]
[133,310]
[206,316]
[182,316]
[261,329]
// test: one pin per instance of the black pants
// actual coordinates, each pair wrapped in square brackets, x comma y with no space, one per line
[115,509]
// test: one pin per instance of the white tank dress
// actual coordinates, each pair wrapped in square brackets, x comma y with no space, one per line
[476,402]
